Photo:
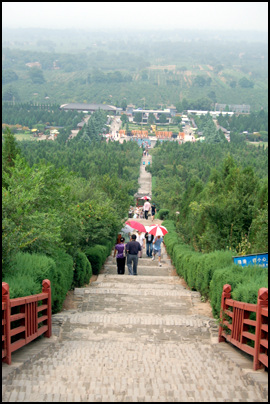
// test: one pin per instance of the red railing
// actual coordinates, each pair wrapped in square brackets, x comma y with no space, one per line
[237,326]
[24,319]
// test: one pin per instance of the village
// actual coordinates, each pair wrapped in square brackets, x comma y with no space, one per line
[158,131]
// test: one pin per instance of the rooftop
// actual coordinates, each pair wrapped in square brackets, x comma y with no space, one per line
[88,107]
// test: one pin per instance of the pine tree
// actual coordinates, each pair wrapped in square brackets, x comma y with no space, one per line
[10,149]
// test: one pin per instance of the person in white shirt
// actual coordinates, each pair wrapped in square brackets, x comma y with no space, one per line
[141,240]
[146,208]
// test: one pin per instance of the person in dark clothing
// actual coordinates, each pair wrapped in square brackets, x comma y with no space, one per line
[153,211]
[120,258]
[149,244]
[132,249]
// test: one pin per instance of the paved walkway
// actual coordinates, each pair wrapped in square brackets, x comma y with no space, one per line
[133,339]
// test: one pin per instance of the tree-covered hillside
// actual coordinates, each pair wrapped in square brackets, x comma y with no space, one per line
[162,68]
[220,191]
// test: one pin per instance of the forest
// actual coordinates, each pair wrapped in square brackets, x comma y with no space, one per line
[216,193]
[63,205]
[64,202]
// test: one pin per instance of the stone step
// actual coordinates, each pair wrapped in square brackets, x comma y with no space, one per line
[141,270]
[141,265]
[144,261]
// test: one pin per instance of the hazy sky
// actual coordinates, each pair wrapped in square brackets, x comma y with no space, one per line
[251,16]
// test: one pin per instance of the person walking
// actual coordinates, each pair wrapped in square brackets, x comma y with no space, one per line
[132,249]
[149,244]
[157,248]
[121,256]
[153,211]
[146,208]
[141,240]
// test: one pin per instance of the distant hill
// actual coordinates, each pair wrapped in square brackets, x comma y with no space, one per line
[164,68]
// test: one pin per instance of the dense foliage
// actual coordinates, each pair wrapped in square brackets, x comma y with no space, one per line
[255,121]
[29,115]
[208,272]
[71,197]
[220,192]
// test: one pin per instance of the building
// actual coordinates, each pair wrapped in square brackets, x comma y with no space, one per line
[90,108]
[33,64]
[214,114]
[238,109]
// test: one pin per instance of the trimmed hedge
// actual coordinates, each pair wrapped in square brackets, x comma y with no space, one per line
[97,256]
[245,283]
[82,270]
[64,277]
[207,273]
[163,214]
[28,271]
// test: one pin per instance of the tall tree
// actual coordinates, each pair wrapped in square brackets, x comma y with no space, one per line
[10,149]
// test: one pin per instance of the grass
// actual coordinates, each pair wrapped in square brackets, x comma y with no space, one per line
[24,136]
[256,144]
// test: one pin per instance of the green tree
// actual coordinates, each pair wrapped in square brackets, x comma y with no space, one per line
[163,118]
[124,104]
[36,75]
[138,117]
[8,76]
[199,81]
[10,149]
[151,119]
[245,83]
[124,119]
[10,94]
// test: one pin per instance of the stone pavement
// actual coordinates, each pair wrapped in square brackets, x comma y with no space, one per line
[133,339]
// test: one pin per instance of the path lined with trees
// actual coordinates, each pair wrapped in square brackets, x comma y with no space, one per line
[141,338]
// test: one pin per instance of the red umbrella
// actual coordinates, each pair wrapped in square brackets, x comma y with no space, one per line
[136,225]
[158,230]
[146,198]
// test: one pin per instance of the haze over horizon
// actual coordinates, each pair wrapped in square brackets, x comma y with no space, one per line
[140,16]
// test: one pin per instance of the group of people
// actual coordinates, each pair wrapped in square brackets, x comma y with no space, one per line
[132,251]
[143,212]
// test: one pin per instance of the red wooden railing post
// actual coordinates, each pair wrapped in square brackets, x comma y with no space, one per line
[46,288]
[226,294]
[261,302]
[7,343]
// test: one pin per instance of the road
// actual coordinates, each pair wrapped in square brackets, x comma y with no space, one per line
[115,127]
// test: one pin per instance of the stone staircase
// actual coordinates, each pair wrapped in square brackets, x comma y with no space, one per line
[133,339]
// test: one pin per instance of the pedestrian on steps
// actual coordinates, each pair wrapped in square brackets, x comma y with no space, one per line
[132,249]
[157,248]
[153,211]
[146,208]
[121,256]
[149,244]
[141,240]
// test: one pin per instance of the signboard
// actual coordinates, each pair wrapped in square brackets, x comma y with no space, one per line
[252,259]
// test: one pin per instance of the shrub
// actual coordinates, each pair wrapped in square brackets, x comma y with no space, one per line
[208,272]
[82,270]
[171,238]
[33,266]
[23,285]
[163,214]
[208,264]
[251,278]
[64,277]
[108,244]
[97,256]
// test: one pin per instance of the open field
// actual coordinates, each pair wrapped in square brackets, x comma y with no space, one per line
[256,144]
